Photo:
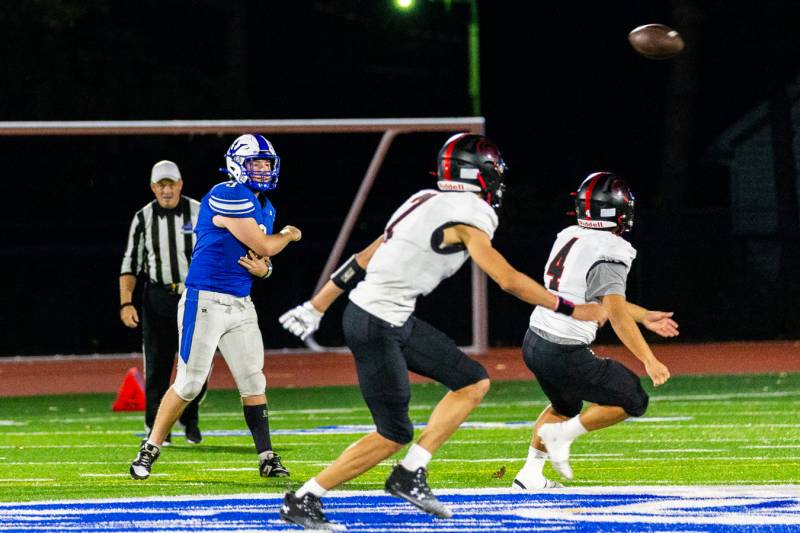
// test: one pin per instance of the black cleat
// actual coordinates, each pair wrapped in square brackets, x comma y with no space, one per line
[306,512]
[140,467]
[193,435]
[271,466]
[413,487]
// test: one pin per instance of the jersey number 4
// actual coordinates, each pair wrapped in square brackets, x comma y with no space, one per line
[556,268]
[418,201]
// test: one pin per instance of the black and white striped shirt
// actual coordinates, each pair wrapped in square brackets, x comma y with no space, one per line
[160,242]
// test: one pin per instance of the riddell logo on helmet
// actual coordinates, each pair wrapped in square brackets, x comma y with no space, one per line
[595,223]
[451,186]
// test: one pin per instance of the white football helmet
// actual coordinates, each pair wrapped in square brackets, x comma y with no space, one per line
[246,149]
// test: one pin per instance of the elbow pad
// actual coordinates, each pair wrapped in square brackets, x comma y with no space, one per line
[348,275]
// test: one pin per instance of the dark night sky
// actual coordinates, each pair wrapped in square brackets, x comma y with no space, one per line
[562,92]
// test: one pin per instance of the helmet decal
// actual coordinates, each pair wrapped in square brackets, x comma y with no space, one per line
[588,201]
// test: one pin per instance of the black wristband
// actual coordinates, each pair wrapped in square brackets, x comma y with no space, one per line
[348,275]
[565,307]
[126,304]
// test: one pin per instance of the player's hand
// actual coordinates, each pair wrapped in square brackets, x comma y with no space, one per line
[661,323]
[657,372]
[129,316]
[260,267]
[294,233]
[302,321]
[591,313]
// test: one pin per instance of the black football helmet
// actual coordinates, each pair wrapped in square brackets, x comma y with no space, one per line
[469,162]
[604,201]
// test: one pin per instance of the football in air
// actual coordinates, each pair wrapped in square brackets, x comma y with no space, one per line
[656,41]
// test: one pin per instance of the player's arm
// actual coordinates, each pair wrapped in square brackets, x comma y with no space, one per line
[304,319]
[659,322]
[513,281]
[250,234]
[628,332]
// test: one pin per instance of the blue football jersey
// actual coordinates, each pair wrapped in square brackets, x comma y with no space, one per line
[215,260]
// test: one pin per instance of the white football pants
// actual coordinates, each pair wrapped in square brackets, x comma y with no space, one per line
[207,320]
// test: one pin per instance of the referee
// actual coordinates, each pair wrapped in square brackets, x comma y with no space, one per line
[159,248]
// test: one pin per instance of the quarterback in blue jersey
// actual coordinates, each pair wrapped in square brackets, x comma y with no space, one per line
[234,244]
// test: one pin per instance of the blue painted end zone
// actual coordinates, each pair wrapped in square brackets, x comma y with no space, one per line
[713,509]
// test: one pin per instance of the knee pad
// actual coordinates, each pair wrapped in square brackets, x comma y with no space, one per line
[252,385]
[401,432]
[391,419]
[638,403]
[187,389]
[468,372]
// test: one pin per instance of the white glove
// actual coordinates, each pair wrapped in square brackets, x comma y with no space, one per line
[302,321]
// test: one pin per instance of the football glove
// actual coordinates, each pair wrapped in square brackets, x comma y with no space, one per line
[302,321]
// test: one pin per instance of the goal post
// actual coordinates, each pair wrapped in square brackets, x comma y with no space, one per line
[390,128]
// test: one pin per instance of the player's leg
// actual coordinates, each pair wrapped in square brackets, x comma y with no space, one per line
[200,328]
[531,475]
[383,379]
[243,350]
[616,392]
[190,418]
[431,353]
[550,362]
[616,395]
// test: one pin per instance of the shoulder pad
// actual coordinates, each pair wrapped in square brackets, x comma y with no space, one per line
[232,199]
[231,190]
[467,208]
[615,248]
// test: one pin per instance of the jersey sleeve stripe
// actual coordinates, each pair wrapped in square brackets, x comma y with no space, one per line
[223,207]
[230,200]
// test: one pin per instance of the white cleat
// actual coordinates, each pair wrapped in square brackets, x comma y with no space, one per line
[557,447]
[541,483]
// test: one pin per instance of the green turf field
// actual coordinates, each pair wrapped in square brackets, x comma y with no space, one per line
[698,430]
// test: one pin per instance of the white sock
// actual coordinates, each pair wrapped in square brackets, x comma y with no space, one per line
[535,463]
[416,457]
[313,487]
[266,454]
[573,428]
[153,444]
[536,455]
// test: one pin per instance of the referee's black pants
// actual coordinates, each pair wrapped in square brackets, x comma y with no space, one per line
[160,340]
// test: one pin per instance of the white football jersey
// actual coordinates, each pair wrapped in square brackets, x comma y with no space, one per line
[576,251]
[411,262]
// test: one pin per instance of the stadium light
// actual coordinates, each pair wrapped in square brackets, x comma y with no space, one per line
[474,49]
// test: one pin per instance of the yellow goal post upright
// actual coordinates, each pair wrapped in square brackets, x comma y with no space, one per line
[388,127]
